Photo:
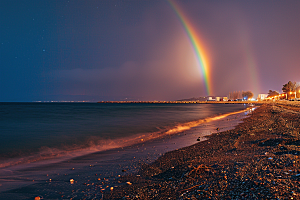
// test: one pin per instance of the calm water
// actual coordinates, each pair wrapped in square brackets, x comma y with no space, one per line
[36,131]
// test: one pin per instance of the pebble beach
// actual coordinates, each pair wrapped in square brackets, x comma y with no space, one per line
[250,155]
[258,159]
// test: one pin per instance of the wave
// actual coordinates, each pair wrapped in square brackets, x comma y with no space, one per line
[46,155]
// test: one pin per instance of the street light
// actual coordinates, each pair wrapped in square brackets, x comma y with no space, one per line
[293,93]
[285,95]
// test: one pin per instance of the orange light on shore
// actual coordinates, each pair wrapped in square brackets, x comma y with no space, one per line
[293,93]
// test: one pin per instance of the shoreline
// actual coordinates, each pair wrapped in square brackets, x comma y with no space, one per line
[108,165]
[61,155]
[258,159]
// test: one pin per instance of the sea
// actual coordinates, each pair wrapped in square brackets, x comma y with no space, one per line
[40,139]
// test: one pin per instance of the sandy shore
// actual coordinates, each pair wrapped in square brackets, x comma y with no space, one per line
[256,160]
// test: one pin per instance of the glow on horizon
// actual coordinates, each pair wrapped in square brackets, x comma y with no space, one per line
[196,43]
[250,62]
[252,67]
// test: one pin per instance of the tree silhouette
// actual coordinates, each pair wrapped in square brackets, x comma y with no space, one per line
[272,93]
[289,87]
[247,94]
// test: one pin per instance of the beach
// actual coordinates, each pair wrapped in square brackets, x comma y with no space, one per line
[132,134]
[247,155]
[256,160]
[94,169]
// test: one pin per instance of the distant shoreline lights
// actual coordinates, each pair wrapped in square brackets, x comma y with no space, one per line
[196,44]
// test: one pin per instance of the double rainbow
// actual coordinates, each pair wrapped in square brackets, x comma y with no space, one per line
[196,44]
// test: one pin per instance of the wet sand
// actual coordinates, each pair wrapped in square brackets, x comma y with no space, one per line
[96,173]
[259,159]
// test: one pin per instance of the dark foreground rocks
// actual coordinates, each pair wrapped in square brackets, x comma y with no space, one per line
[256,160]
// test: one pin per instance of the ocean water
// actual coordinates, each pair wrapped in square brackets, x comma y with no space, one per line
[31,132]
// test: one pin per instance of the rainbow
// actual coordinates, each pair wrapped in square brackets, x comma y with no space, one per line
[251,64]
[196,44]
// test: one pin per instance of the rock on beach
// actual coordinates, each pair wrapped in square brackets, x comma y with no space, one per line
[259,159]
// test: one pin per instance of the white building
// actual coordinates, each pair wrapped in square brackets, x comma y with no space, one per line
[262,97]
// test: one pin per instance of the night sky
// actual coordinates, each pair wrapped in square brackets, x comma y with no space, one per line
[138,50]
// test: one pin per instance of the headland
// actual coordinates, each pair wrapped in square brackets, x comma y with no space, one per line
[187,102]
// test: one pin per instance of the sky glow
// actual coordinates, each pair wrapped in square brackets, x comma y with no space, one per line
[196,44]
[140,50]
